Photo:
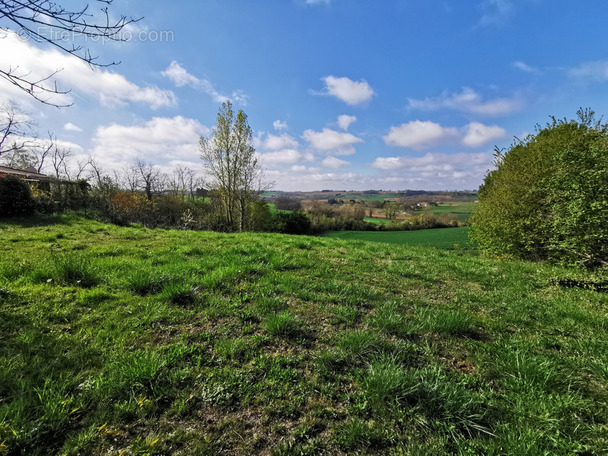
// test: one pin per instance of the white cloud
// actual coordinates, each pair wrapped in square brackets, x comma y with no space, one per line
[71,127]
[279,125]
[435,170]
[522,66]
[597,70]
[334,163]
[345,121]
[162,141]
[495,12]
[419,135]
[109,88]
[468,101]
[180,77]
[284,141]
[478,134]
[347,90]
[330,140]
[285,156]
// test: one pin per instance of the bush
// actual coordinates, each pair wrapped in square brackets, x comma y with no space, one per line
[15,197]
[291,223]
[547,198]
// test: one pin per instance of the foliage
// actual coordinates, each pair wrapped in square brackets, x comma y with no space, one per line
[232,165]
[547,197]
[15,197]
[296,222]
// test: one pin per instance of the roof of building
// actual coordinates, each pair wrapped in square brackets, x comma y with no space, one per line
[26,174]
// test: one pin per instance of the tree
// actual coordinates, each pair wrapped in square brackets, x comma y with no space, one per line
[31,155]
[15,125]
[15,197]
[152,179]
[232,165]
[45,21]
[286,203]
[548,196]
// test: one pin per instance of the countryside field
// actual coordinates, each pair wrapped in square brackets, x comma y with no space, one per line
[443,238]
[133,341]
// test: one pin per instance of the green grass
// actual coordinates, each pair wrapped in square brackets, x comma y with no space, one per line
[274,210]
[135,341]
[369,197]
[377,221]
[441,238]
[463,210]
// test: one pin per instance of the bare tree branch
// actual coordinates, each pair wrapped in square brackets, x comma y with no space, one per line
[14,124]
[46,21]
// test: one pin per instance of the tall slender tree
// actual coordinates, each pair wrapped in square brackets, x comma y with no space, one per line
[233,168]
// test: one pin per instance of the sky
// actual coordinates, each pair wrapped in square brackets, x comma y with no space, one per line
[340,94]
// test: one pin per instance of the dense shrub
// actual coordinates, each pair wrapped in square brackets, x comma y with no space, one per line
[15,197]
[547,198]
[291,223]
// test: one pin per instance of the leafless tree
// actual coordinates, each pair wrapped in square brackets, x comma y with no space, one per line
[59,160]
[184,181]
[32,155]
[78,172]
[15,126]
[130,178]
[152,180]
[46,21]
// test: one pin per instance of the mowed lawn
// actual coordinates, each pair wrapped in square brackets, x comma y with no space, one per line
[442,238]
[129,341]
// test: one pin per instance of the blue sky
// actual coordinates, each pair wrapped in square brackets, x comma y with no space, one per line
[341,94]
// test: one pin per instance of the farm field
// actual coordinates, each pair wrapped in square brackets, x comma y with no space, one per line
[462,210]
[442,238]
[372,197]
[132,341]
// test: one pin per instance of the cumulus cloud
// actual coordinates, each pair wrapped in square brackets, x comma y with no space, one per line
[419,135]
[422,135]
[436,170]
[279,125]
[347,90]
[467,101]
[334,163]
[273,142]
[180,77]
[478,134]
[330,140]
[345,121]
[162,141]
[285,156]
[109,88]
[71,127]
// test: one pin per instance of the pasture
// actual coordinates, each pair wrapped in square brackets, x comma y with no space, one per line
[130,341]
[442,238]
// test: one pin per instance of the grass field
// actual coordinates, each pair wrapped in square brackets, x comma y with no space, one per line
[369,197]
[377,221]
[462,210]
[442,238]
[131,341]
